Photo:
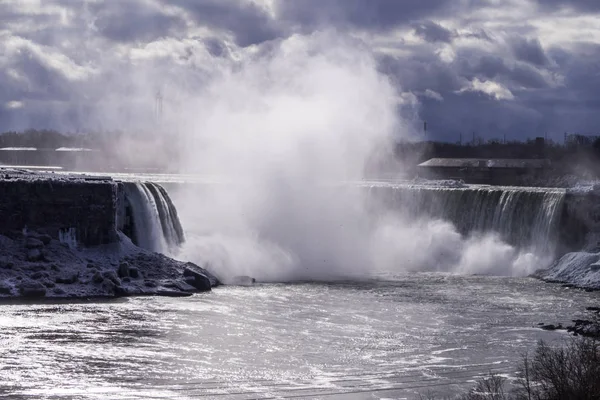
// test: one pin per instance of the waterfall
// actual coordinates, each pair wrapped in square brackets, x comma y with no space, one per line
[523,217]
[154,224]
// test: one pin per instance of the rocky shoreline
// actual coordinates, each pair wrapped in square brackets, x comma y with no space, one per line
[36,265]
[589,327]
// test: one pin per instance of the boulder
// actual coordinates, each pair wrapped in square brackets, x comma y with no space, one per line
[112,276]
[193,267]
[46,239]
[134,272]
[5,288]
[6,265]
[178,285]
[34,254]
[123,270]
[109,286]
[172,293]
[122,291]
[40,275]
[58,291]
[97,278]
[197,279]
[68,278]
[551,327]
[37,267]
[33,243]
[32,289]
[242,281]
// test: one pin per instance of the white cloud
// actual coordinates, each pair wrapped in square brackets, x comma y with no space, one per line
[433,95]
[58,51]
[50,57]
[13,104]
[494,89]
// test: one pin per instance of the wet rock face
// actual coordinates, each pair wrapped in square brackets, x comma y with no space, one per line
[196,279]
[32,289]
[123,270]
[68,278]
[33,243]
[54,204]
[5,289]
[35,255]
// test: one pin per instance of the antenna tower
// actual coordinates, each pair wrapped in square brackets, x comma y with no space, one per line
[158,105]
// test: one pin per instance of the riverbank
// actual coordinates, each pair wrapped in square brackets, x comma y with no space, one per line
[36,265]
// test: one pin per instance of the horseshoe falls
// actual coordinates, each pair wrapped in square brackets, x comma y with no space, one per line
[523,217]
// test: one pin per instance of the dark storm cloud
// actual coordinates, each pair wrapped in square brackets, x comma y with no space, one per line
[129,21]
[457,62]
[478,34]
[579,5]
[475,114]
[421,72]
[366,14]
[539,105]
[491,67]
[432,32]
[529,50]
[42,82]
[249,23]
[10,15]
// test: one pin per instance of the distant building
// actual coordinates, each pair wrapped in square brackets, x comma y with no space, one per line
[494,171]
[575,139]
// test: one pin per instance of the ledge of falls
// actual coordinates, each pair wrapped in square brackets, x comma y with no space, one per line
[564,223]
[68,235]
[60,238]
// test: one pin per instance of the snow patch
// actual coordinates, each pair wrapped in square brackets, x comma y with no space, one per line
[579,268]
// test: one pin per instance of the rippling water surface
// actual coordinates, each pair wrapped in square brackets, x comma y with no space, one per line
[391,338]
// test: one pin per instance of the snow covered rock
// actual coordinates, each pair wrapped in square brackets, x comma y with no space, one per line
[112,270]
[581,269]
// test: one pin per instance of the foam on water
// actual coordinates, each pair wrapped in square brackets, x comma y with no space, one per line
[393,338]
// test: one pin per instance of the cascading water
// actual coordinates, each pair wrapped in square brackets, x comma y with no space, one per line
[523,217]
[154,220]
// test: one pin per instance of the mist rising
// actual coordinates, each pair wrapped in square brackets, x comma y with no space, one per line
[284,137]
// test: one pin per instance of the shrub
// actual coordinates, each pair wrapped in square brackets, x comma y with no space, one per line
[570,372]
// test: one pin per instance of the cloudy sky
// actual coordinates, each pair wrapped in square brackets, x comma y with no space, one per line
[513,68]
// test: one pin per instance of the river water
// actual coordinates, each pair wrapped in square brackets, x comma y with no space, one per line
[393,337]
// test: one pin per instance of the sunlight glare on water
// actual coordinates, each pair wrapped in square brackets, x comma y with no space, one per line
[374,339]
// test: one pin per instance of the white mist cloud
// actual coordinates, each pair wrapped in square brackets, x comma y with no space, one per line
[282,135]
